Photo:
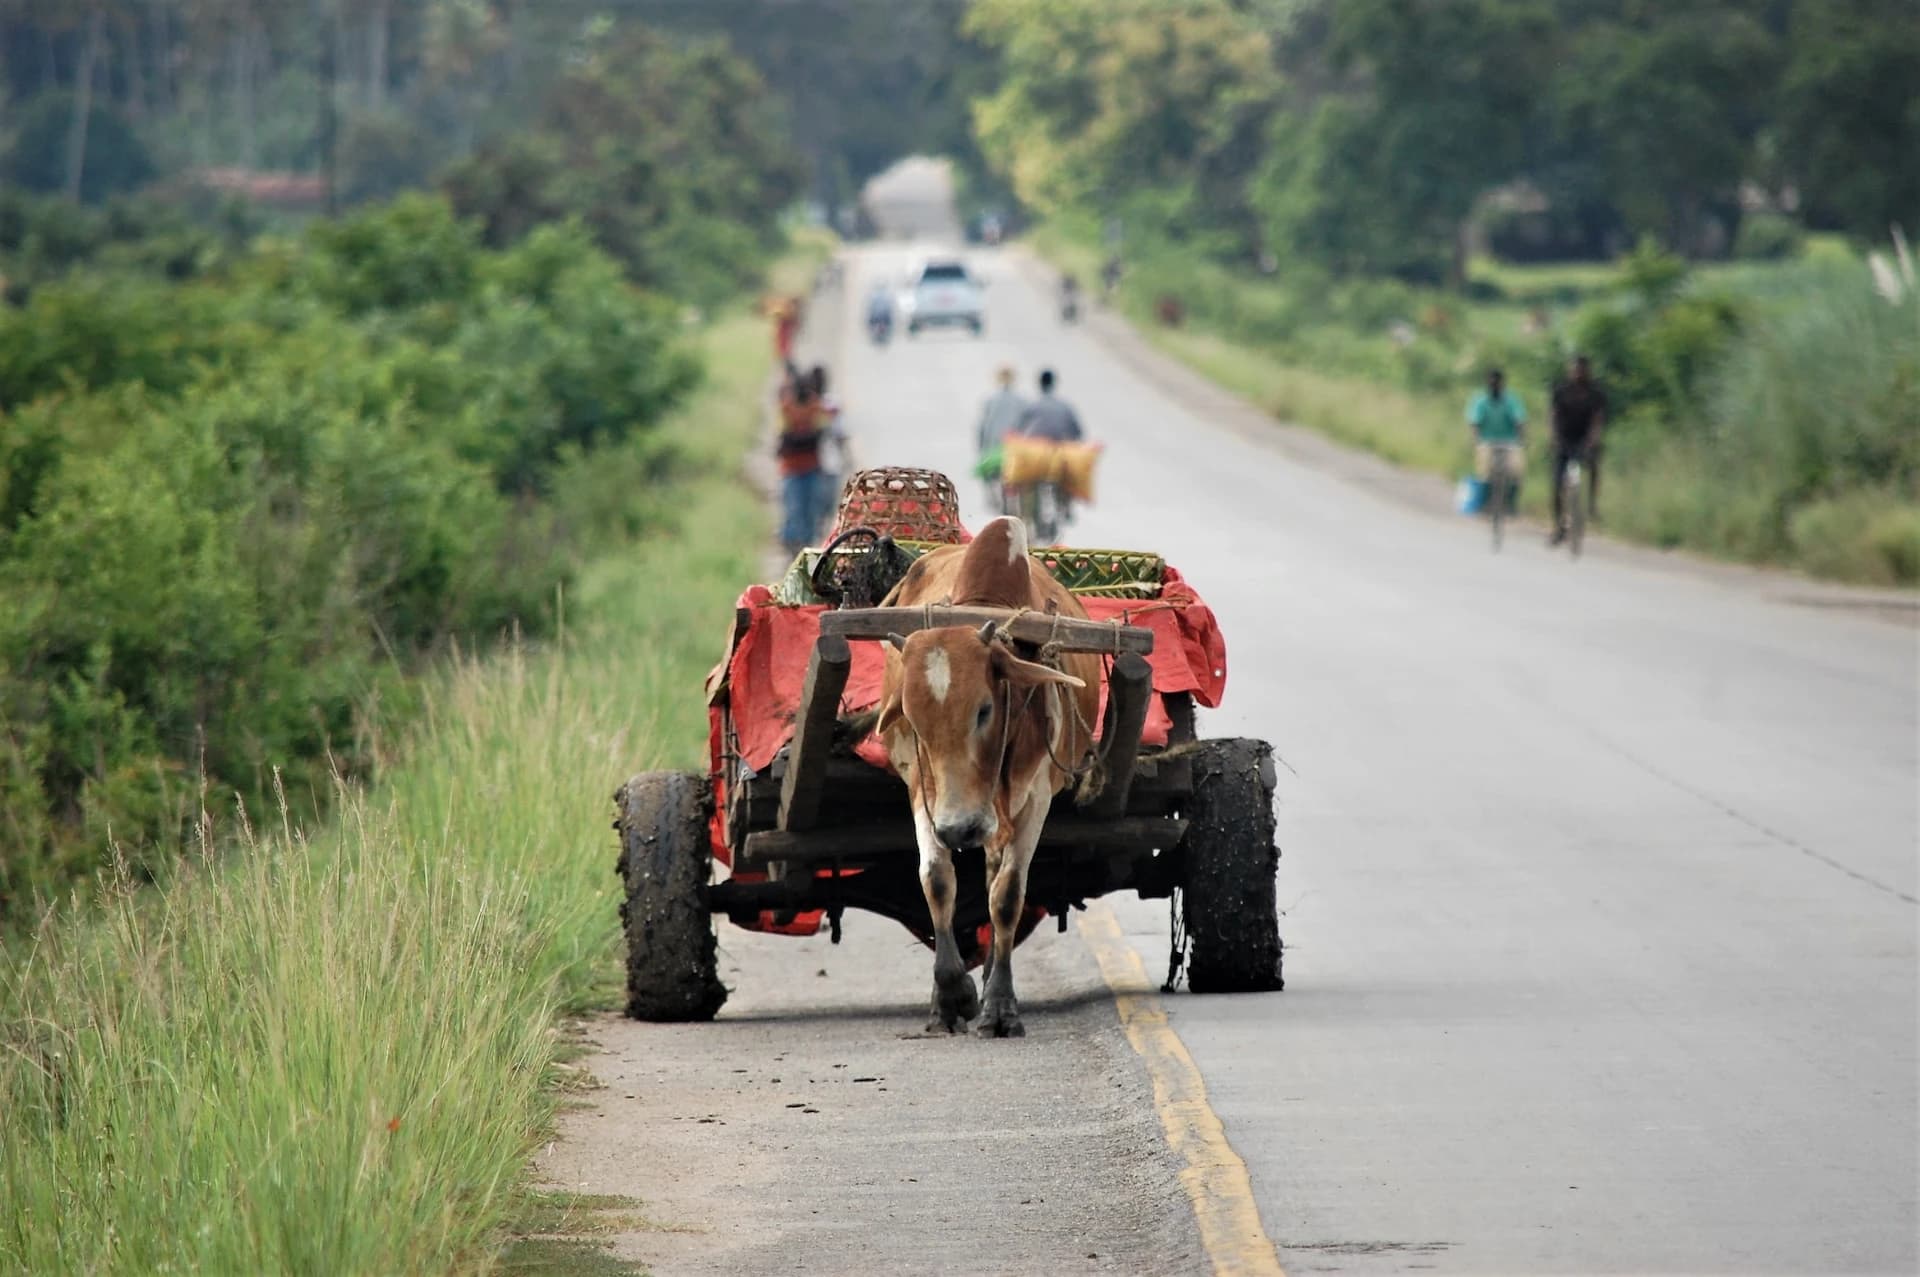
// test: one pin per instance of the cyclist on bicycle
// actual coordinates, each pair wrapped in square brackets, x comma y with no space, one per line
[1499,420]
[1579,417]
[1051,418]
[999,416]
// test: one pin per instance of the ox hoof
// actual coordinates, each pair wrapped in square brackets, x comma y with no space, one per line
[954,1006]
[1002,1020]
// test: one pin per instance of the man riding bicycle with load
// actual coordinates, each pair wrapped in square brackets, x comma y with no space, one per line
[1051,418]
[1579,417]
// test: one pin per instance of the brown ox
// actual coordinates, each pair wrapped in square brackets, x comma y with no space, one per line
[984,740]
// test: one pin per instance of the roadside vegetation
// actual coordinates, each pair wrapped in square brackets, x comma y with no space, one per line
[334,1053]
[1307,212]
[347,563]
[1768,415]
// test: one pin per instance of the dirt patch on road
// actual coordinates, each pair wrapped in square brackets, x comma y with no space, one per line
[816,1127]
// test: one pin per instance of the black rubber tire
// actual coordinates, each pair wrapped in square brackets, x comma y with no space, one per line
[1231,916]
[672,965]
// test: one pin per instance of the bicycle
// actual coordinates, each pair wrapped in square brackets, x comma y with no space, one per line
[1040,506]
[1573,512]
[1501,482]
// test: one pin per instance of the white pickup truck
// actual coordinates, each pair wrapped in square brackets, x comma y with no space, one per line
[942,294]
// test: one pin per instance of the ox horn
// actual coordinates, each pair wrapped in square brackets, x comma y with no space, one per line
[898,640]
[986,633]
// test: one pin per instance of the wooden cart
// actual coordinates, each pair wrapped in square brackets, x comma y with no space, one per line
[824,827]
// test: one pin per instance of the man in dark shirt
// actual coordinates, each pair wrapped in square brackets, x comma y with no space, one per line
[1579,419]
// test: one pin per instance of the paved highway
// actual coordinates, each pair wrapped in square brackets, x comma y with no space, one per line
[1599,883]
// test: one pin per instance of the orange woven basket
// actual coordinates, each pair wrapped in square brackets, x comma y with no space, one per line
[903,503]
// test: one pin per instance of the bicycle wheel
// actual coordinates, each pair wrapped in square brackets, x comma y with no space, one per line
[1497,496]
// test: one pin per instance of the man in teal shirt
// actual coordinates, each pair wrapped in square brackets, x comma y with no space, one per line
[1496,413]
[1498,419]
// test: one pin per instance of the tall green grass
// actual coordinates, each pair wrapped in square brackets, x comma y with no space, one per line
[333,1054]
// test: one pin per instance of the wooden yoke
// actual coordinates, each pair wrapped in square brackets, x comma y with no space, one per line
[1064,633]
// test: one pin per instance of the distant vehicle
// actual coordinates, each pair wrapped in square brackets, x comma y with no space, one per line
[880,315]
[942,294]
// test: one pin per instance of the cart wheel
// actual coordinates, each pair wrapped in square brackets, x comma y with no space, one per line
[1231,916]
[664,862]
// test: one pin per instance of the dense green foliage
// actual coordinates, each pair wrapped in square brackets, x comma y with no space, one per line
[1379,136]
[335,1054]
[234,508]
[671,155]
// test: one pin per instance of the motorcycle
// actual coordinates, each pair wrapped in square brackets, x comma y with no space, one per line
[880,329]
[1070,309]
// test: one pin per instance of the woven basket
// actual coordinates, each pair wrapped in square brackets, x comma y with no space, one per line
[1111,573]
[903,503]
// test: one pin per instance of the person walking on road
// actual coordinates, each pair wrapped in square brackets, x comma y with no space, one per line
[1579,418]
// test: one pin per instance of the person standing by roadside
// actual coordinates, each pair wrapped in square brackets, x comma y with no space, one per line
[786,326]
[801,475]
[1579,419]
[827,489]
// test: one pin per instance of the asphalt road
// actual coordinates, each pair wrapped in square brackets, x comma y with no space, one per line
[1599,883]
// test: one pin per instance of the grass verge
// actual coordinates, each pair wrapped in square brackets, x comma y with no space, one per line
[1801,452]
[334,1054]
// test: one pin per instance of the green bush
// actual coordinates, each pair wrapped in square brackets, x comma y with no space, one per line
[43,238]
[233,511]
[1869,537]
[1768,237]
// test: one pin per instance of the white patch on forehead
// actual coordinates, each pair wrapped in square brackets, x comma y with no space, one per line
[939,674]
[1016,540]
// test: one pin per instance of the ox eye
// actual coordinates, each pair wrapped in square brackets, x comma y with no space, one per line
[984,717]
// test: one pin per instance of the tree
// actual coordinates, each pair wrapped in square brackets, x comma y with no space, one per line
[671,154]
[1433,110]
[112,160]
[1098,100]
[1850,113]
[1668,112]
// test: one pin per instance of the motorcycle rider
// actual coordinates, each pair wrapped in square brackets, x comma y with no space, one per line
[880,312]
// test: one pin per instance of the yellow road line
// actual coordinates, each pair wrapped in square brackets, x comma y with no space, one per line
[1214,1176]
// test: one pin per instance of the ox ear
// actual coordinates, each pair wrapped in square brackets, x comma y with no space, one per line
[1030,673]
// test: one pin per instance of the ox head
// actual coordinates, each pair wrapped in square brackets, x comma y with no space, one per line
[959,691]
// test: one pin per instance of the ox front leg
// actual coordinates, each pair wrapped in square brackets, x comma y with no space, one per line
[1006,898]
[955,1000]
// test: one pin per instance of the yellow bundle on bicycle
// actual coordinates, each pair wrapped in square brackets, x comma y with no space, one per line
[1024,461]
